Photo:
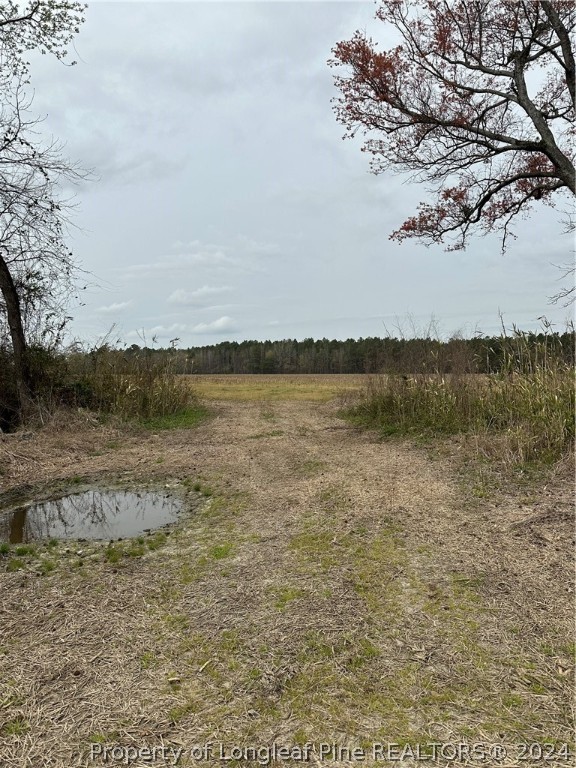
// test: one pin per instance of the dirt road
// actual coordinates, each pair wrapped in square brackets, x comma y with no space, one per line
[331,589]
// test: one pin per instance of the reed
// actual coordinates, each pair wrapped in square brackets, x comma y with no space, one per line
[528,405]
[136,386]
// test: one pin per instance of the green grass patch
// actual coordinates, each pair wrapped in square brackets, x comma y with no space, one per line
[148,660]
[272,387]
[23,550]
[310,467]
[221,551]
[316,548]
[19,726]
[134,550]
[46,566]
[186,419]
[156,540]
[284,595]
[260,435]
[113,554]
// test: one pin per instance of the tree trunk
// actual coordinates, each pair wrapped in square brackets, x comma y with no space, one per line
[14,317]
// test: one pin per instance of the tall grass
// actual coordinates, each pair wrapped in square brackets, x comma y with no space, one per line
[525,411]
[135,386]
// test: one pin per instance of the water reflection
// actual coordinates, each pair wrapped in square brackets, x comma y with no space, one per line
[96,514]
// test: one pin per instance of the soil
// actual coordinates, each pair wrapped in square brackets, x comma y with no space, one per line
[331,589]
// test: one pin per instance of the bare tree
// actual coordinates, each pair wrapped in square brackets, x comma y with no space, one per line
[33,250]
[477,101]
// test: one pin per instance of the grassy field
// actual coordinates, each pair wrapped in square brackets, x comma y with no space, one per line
[324,586]
[316,387]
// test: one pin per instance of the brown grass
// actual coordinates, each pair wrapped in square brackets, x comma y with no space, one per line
[333,588]
[315,387]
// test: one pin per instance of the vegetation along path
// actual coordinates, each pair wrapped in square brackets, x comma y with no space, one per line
[330,588]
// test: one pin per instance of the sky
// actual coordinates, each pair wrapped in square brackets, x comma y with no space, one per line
[225,205]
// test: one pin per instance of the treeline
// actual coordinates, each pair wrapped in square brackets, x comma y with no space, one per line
[371,355]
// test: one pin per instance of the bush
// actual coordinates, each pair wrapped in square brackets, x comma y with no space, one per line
[105,380]
[135,386]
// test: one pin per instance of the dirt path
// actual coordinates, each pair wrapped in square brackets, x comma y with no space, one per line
[332,589]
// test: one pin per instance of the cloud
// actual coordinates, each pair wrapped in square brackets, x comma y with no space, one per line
[238,253]
[199,296]
[224,324]
[207,257]
[157,332]
[113,308]
[194,104]
[160,332]
[256,247]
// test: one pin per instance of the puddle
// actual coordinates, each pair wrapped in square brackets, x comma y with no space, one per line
[96,514]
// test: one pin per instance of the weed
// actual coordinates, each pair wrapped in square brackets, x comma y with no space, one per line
[220,551]
[14,564]
[230,640]
[316,548]
[4,548]
[285,595]
[148,660]
[98,738]
[16,727]
[364,651]
[135,550]
[24,550]
[46,566]
[113,554]
[156,541]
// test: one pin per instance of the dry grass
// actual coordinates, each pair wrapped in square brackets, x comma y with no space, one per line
[319,388]
[528,417]
[332,589]
[130,386]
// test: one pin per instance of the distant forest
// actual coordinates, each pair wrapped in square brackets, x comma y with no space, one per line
[522,352]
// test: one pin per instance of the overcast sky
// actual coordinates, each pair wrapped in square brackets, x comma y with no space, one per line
[227,206]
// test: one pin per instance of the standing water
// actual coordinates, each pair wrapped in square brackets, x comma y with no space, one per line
[96,514]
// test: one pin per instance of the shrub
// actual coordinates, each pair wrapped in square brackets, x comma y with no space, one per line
[129,385]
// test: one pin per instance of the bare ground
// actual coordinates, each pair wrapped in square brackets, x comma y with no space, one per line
[331,588]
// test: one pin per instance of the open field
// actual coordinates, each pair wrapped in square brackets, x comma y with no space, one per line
[325,587]
[320,388]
